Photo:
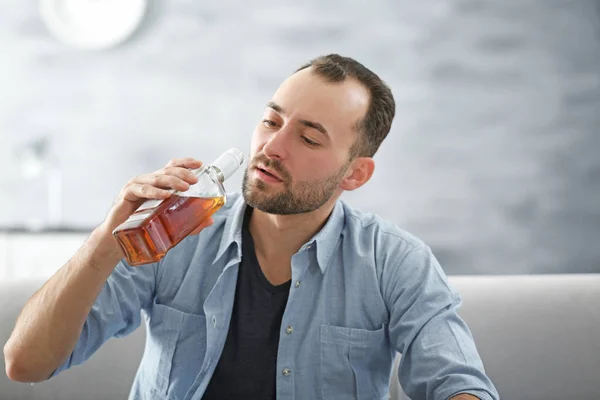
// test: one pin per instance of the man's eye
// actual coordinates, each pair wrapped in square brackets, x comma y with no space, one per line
[309,142]
[268,123]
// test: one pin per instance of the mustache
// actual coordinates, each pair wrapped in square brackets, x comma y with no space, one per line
[272,164]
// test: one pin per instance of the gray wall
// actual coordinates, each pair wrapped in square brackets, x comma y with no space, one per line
[493,157]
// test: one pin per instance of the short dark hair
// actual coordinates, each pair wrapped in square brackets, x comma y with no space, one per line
[376,124]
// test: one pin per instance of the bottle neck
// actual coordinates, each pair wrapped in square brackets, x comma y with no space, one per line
[218,173]
[214,169]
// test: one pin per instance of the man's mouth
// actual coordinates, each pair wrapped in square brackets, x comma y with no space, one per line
[268,173]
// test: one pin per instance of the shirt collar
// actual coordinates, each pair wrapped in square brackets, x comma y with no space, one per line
[323,242]
[232,232]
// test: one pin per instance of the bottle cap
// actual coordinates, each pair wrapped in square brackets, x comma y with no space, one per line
[229,162]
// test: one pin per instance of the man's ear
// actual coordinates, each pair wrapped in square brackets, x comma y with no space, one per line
[359,172]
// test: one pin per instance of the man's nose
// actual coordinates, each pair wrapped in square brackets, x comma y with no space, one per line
[277,145]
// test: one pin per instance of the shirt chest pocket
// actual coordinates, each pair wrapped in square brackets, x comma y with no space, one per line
[175,349]
[351,363]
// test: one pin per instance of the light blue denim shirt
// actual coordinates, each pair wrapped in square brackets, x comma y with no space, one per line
[362,290]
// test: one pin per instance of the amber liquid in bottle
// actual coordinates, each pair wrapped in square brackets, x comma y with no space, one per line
[151,232]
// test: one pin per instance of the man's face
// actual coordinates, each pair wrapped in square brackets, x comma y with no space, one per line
[300,149]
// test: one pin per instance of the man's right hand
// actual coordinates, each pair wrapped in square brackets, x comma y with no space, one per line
[176,175]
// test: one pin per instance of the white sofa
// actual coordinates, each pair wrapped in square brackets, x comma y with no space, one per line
[538,335]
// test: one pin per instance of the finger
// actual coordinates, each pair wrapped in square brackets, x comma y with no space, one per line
[182,173]
[186,162]
[208,222]
[162,181]
[136,192]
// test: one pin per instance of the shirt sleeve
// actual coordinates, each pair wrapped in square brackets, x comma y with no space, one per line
[439,357]
[116,311]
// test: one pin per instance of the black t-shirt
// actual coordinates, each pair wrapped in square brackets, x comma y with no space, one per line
[247,367]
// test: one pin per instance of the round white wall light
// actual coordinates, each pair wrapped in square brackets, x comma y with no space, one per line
[92,24]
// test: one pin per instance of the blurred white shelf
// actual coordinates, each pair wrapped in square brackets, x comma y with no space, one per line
[39,255]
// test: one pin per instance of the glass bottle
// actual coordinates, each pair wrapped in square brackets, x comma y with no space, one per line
[158,225]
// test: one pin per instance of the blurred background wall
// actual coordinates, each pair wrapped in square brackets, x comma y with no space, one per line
[493,159]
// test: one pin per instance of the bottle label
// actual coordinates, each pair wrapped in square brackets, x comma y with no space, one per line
[149,204]
[138,216]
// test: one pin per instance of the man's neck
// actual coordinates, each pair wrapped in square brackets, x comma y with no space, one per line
[279,237]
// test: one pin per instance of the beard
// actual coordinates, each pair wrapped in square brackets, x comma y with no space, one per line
[294,198]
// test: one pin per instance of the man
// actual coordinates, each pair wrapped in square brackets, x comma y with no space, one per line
[287,292]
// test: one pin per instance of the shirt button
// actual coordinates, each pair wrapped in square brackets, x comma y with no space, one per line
[289,330]
[214,320]
[297,283]
[286,371]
